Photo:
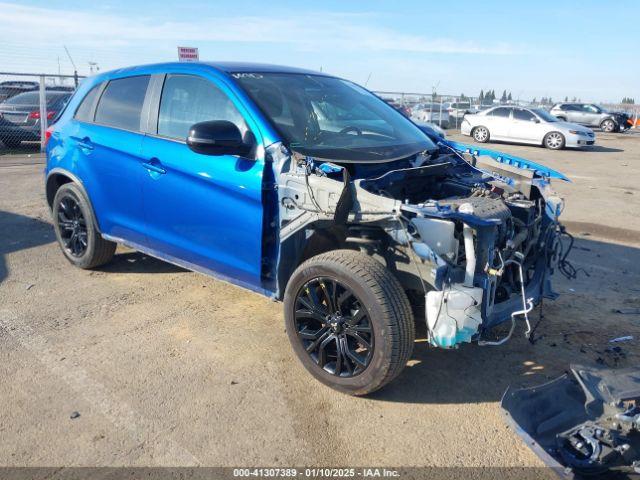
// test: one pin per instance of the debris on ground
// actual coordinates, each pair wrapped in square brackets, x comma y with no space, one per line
[626,338]
[74,415]
[627,311]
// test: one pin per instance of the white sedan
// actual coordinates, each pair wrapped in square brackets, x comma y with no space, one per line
[525,125]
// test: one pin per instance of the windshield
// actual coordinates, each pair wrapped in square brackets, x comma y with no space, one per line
[544,115]
[334,119]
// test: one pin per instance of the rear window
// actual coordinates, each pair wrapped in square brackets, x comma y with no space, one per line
[33,98]
[84,113]
[120,105]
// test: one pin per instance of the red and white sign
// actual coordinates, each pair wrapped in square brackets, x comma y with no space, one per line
[188,54]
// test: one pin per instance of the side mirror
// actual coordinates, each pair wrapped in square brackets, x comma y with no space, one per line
[535,120]
[217,137]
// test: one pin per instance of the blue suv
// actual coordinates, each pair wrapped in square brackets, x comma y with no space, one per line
[311,190]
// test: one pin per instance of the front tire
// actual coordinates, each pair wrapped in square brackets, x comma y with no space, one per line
[76,229]
[608,126]
[554,141]
[481,134]
[349,321]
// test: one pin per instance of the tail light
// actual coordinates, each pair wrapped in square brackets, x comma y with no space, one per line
[47,135]
[35,115]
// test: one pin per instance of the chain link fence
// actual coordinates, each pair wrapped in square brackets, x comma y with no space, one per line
[29,103]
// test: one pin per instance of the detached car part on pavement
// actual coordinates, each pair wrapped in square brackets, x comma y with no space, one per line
[308,189]
[585,424]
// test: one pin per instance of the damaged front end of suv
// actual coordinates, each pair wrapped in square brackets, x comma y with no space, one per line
[473,232]
[375,221]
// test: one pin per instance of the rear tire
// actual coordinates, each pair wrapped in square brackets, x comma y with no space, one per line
[554,141]
[76,231]
[324,298]
[608,126]
[481,134]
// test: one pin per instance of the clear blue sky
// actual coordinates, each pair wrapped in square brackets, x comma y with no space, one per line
[532,48]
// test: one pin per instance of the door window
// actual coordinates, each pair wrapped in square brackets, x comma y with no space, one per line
[84,113]
[187,99]
[120,105]
[522,114]
[500,112]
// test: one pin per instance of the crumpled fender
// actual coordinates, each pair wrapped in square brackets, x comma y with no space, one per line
[512,160]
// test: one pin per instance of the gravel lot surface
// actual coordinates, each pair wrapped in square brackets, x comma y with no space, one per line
[168,367]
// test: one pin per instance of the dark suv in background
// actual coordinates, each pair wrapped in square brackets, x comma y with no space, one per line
[591,115]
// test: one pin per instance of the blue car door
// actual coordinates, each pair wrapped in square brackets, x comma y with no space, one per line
[108,147]
[205,211]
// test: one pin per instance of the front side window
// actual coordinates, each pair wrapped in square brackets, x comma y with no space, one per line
[187,99]
[544,115]
[120,105]
[592,109]
[522,114]
[334,119]
[500,112]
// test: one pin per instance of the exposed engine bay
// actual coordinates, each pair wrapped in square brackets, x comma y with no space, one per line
[475,234]
[585,424]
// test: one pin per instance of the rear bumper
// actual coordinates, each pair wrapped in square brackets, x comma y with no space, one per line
[22,132]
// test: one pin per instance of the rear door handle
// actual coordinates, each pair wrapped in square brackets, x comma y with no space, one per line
[154,165]
[84,143]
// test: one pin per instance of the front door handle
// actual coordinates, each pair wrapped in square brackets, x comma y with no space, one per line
[154,165]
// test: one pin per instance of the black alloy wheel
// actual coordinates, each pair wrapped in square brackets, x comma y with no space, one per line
[73,226]
[334,327]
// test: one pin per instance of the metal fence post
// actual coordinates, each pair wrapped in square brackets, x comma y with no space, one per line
[43,112]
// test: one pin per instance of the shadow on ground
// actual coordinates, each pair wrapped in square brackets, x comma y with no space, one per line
[19,232]
[136,262]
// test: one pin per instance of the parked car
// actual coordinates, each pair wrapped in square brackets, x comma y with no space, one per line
[591,115]
[403,109]
[11,88]
[459,109]
[435,113]
[225,169]
[20,115]
[433,131]
[525,125]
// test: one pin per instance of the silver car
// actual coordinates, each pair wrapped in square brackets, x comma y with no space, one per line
[432,113]
[591,115]
[525,125]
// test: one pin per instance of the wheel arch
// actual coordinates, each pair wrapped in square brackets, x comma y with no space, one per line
[58,177]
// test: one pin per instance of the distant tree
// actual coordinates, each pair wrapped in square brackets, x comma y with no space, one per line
[503,98]
[628,101]
[509,97]
[574,99]
[481,97]
[463,96]
[534,100]
[566,99]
